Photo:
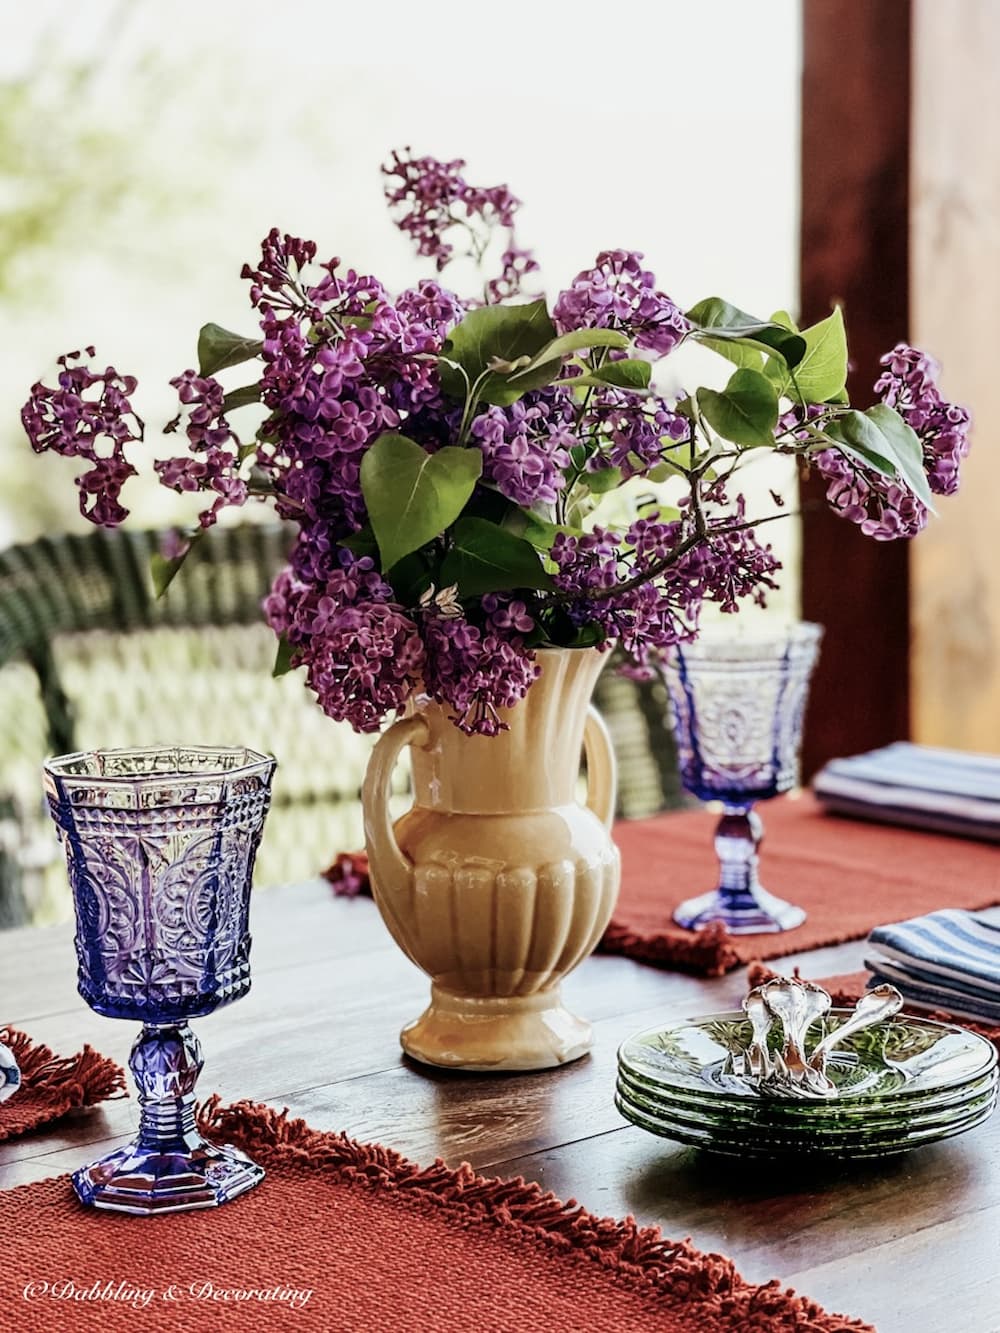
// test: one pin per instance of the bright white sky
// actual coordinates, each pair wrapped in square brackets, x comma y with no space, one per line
[669,126]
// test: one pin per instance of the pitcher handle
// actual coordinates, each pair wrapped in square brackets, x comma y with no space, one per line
[602,768]
[389,865]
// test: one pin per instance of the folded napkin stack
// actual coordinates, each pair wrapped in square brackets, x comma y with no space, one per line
[943,791]
[945,960]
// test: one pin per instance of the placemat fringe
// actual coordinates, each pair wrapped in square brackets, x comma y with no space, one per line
[61,1083]
[640,1256]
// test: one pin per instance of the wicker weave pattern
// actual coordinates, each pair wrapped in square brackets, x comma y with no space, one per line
[90,657]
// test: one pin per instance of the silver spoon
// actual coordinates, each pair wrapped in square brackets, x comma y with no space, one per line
[797,1005]
[876,1005]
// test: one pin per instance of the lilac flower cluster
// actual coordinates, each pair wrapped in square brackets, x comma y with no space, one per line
[214,462]
[909,383]
[645,592]
[96,427]
[633,434]
[477,670]
[884,509]
[619,293]
[344,362]
[431,198]
[526,446]
[362,653]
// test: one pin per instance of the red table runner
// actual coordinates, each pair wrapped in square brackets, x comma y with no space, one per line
[847,874]
[51,1085]
[343,1237]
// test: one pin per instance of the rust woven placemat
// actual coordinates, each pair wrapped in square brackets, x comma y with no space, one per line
[847,874]
[51,1085]
[352,1238]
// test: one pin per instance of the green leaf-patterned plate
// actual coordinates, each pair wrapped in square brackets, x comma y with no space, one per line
[754,1145]
[894,1061]
[757,1121]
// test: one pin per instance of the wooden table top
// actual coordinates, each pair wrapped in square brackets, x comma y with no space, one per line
[911,1244]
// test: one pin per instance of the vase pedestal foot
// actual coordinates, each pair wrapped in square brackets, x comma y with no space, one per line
[496,1032]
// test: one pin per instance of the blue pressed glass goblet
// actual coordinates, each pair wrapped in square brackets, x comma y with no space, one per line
[160,846]
[737,703]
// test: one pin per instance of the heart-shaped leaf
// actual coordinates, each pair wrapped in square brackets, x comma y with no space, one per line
[576,340]
[486,558]
[411,495]
[498,333]
[822,372]
[746,411]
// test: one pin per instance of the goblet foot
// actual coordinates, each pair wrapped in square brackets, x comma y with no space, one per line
[756,913]
[142,1180]
[484,1033]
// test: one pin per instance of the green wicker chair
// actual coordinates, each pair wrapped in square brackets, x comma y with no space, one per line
[89,656]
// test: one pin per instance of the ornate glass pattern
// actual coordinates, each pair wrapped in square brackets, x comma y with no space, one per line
[737,705]
[160,846]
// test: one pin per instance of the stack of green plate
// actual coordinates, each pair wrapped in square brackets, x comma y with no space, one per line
[900,1084]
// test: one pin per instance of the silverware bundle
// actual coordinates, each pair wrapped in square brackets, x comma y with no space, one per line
[789,1070]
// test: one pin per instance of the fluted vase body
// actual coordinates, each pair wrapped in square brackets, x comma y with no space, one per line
[498,882]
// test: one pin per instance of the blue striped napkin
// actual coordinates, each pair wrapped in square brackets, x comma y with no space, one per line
[942,791]
[945,960]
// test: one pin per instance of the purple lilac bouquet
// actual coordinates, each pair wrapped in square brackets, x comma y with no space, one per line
[442,457]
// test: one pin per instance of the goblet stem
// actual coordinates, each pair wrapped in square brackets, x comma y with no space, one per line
[737,838]
[740,902]
[168,1167]
[165,1063]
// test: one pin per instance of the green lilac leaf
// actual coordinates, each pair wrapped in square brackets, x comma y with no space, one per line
[250,393]
[411,495]
[822,373]
[498,332]
[880,433]
[282,658]
[718,320]
[219,348]
[604,479]
[575,341]
[164,569]
[622,374]
[745,412]
[541,532]
[486,558]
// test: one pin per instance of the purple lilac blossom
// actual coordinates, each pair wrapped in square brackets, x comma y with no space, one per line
[430,198]
[214,462]
[476,671]
[526,446]
[95,427]
[633,434]
[909,383]
[362,653]
[729,566]
[884,509]
[619,293]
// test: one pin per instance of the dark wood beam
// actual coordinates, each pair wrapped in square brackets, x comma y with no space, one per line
[856,88]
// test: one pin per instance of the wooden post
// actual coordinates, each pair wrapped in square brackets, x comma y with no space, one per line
[956,273]
[854,250]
